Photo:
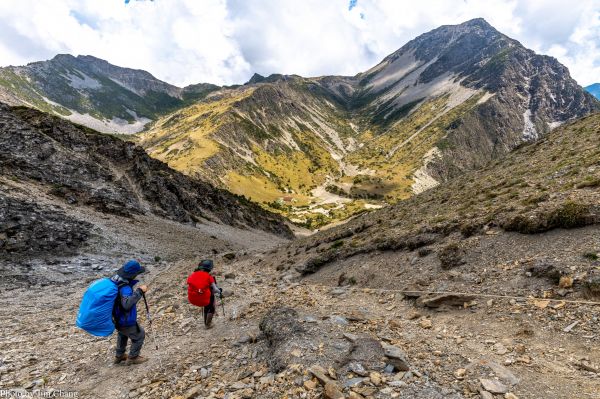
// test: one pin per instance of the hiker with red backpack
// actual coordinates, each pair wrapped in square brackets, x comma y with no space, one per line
[202,287]
[125,313]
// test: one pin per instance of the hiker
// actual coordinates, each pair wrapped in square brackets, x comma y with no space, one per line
[202,287]
[125,313]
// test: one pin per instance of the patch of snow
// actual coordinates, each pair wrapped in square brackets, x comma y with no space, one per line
[529,131]
[373,206]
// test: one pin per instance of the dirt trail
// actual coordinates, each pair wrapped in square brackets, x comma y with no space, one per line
[226,362]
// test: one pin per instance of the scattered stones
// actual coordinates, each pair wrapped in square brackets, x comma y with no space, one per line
[332,391]
[571,326]
[486,395]
[354,395]
[375,378]
[413,315]
[310,384]
[351,337]
[500,349]
[339,320]
[358,369]
[353,382]
[320,373]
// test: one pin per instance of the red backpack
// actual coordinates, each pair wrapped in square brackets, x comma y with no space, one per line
[199,284]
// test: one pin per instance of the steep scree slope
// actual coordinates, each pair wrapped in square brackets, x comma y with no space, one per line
[84,168]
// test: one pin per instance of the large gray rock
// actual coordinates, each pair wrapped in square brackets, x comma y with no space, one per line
[397,357]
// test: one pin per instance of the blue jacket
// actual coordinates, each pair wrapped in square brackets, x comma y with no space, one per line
[125,309]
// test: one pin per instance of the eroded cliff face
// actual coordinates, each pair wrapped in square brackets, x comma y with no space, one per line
[81,168]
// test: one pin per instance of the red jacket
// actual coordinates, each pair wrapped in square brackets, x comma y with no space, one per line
[199,288]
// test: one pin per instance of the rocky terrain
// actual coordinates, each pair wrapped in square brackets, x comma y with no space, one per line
[84,168]
[484,287]
[281,338]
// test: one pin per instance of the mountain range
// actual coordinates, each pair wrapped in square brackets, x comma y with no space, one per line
[95,93]
[322,149]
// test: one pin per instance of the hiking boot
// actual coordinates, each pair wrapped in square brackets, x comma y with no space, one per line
[119,359]
[137,360]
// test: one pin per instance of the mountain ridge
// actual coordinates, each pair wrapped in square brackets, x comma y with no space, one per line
[450,100]
[95,93]
[322,149]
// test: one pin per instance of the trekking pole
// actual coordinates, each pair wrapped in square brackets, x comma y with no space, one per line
[149,320]
[222,303]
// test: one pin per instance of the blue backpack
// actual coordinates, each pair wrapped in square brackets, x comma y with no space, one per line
[96,310]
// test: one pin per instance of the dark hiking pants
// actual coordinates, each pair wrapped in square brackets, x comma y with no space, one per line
[136,334]
[210,308]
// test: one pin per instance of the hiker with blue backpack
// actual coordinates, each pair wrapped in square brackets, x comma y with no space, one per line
[125,313]
[111,303]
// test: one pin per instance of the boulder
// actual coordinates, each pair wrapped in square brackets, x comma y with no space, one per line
[396,357]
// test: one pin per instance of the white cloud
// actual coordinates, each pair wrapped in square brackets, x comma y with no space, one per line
[219,41]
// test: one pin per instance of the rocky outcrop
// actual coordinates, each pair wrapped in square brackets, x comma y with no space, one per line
[27,228]
[85,168]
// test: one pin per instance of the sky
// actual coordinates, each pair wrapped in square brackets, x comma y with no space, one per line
[226,41]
